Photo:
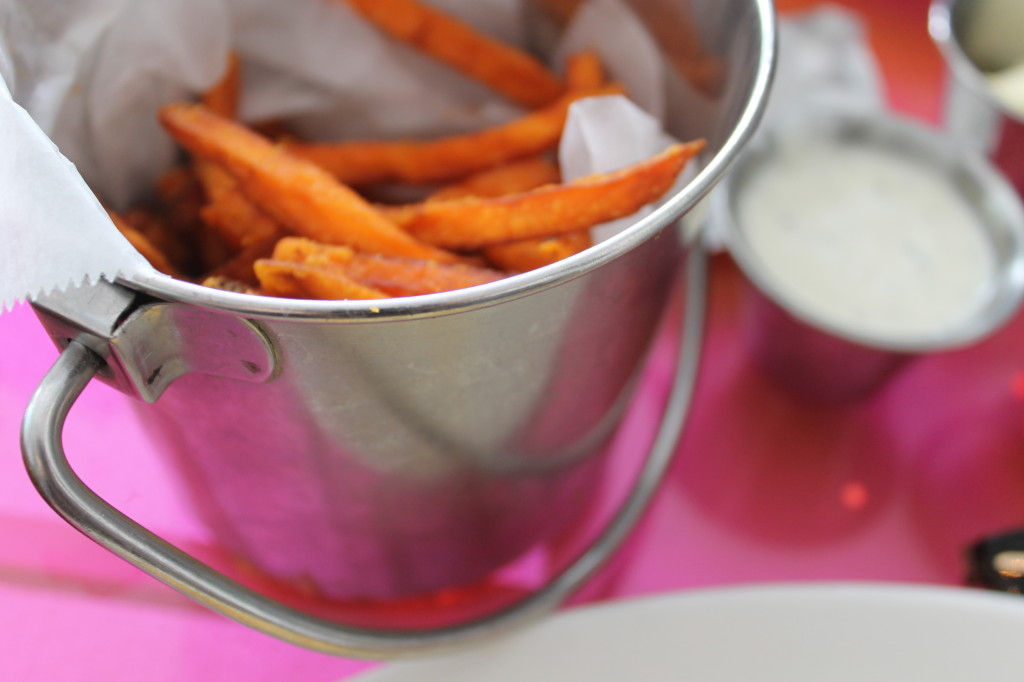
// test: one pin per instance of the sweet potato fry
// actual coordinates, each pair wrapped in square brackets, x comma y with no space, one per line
[179,201]
[584,71]
[510,178]
[516,256]
[230,212]
[549,210]
[162,235]
[298,280]
[239,267]
[180,197]
[394,276]
[297,194]
[223,97]
[405,277]
[240,224]
[211,250]
[228,284]
[448,158]
[503,68]
[144,246]
[530,254]
[513,178]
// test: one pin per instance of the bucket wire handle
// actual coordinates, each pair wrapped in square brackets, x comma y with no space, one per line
[65,492]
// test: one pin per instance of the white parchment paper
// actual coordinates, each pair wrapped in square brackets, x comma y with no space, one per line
[55,231]
[89,76]
[824,61]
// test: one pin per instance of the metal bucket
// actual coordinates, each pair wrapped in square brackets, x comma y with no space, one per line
[974,114]
[394,447]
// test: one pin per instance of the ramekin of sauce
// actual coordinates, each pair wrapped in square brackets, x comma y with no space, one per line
[981,43]
[868,241]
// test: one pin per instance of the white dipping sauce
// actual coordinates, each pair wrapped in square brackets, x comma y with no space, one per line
[866,240]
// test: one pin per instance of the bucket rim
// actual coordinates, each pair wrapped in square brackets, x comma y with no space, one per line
[961,66]
[516,286]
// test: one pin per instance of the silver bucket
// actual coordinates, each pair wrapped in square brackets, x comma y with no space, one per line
[395,447]
[973,113]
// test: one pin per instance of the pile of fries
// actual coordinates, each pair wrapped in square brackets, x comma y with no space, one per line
[255,210]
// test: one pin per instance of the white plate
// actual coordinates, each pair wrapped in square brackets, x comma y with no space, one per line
[791,633]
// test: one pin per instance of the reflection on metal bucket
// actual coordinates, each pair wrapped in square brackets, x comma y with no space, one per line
[400,456]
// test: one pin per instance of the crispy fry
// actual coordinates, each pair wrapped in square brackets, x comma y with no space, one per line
[584,71]
[239,224]
[513,178]
[448,158]
[549,210]
[510,178]
[175,226]
[179,198]
[211,251]
[144,246]
[227,209]
[228,284]
[162,235]
[505,69]
[230,212]
[531,254]
[223,97]
[406,277]
[240,266]
[295,193]
[394,276]
[298,280]
[242,196]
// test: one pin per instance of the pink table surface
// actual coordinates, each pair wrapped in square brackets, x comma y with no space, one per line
[763,488]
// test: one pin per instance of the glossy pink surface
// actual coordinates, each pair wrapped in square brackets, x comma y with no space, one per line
[763,489]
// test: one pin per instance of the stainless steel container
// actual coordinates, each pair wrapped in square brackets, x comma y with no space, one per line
[820,359]
[394,447]
[973,114]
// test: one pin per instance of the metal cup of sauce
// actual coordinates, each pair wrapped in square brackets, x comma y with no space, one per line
[866,241]
[984,108]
